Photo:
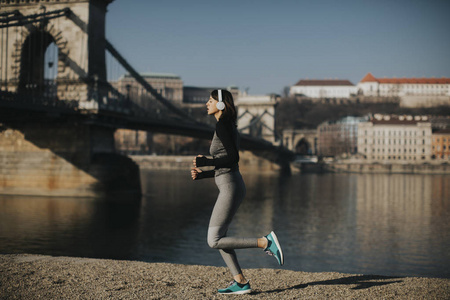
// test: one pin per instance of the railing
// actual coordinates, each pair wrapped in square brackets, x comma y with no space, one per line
[28,100]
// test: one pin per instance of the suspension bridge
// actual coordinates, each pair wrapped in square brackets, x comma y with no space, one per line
[59,111]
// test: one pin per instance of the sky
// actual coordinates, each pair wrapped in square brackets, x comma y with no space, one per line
[266,45]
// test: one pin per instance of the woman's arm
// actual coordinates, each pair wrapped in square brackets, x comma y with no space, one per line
[225,134]
[196,174]
[205,174]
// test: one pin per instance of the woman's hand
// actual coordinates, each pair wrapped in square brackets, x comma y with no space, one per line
[194,162]
[195,172]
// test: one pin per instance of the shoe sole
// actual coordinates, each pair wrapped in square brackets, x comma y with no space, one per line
[237,293]
[275,239]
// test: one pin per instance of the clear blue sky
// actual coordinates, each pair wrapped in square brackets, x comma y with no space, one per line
[266,45]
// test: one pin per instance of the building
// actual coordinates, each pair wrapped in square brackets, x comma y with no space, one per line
[330,88]
[338,137]
[440,142]
[133,141]
[170,86]
[200,95]
[411,91]
[405,139]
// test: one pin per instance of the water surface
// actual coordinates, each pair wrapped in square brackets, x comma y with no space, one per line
[354,223]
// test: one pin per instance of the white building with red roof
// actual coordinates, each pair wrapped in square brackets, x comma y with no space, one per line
[411,91]
[328,88]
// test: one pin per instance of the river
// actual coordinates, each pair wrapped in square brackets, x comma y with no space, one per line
[396,225]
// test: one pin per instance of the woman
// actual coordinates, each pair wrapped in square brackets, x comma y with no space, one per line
[224,150]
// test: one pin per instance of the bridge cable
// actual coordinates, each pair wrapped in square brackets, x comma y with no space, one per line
[6,60]
[146,85]
[1,63]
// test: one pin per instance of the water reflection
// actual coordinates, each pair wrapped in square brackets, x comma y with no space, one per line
[403,220]
[68,226]
[370,224]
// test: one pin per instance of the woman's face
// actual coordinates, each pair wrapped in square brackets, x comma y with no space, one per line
[211,106]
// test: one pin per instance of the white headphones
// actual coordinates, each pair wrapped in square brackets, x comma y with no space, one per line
[220,105]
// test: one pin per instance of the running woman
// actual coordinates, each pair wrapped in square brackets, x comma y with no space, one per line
[225,157]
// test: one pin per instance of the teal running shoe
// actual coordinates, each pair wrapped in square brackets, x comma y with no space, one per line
[236,288]
[274,248]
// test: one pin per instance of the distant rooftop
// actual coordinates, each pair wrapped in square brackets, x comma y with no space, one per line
[370,78]
[319,82]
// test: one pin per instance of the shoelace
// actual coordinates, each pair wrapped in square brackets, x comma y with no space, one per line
[231,283]
[268,252]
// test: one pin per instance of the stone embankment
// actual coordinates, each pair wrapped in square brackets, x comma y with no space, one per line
[47,277]
[385,168]
[248,162]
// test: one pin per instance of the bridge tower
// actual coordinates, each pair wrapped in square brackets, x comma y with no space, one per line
[80,45]
[78,39]
[43,151]
[256,116]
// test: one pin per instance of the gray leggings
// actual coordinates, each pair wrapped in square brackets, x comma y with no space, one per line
[231,193]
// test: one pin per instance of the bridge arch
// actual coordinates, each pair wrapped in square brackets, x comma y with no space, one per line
[31,78]
[301,140]
[303,147]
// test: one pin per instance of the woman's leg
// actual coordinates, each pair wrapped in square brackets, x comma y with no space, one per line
[231,193]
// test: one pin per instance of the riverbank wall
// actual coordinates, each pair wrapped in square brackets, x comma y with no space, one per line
[352,167]
[63,160]
[248,162]
[251,163]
